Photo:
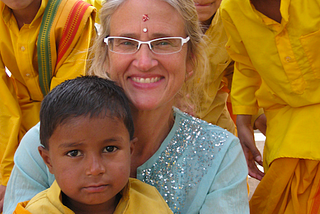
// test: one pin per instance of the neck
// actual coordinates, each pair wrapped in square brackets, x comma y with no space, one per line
[152,127]
[270,8]
[26,15]
[206,24]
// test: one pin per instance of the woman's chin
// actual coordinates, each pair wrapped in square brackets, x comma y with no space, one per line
[151,104]
[145,106]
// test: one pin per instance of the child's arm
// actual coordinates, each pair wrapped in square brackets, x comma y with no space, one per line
[9,126]
[75,63]
[246,81]
[251,152]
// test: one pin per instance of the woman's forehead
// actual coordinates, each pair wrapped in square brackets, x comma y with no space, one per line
[145,16]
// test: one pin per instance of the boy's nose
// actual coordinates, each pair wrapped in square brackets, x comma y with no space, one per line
[95,166]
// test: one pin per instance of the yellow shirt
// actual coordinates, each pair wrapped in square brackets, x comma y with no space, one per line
[137,197]
[213,107]
[21,94]
[277,67]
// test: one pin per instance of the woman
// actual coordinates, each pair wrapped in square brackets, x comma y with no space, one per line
[197,167]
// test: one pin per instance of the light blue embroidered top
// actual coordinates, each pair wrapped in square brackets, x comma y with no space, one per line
[199,168]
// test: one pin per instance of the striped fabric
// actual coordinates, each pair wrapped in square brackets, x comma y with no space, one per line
[45,46]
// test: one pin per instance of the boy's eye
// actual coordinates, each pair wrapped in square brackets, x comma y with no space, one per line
[74,153]
[110,149]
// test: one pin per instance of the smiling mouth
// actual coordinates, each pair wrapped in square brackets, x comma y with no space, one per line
[146,80]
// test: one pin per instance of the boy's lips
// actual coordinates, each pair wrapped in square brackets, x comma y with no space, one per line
[96,187]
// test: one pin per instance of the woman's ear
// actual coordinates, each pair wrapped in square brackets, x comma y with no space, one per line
[189,67]
[44,153]
[189,74]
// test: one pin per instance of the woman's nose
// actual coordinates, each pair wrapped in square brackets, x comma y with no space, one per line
[145,59]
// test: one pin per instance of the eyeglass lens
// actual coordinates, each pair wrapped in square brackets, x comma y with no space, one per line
[161,46]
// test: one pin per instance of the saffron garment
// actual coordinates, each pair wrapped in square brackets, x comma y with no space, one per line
[213,108]
[21,94]
[291,185]
[199,168]
[136,197]
[277,67]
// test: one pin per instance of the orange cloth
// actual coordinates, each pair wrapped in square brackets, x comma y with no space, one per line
[291,186]
[21,208]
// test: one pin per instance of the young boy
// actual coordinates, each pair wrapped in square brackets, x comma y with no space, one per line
[275,46]
[40,41]
[213,108]
[214,105]
[86,132]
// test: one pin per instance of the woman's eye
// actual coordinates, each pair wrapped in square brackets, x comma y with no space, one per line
[124,42]
[110,149]
[74,153]
[127,43]
[163,43]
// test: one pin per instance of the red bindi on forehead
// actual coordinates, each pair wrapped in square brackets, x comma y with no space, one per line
[145,17]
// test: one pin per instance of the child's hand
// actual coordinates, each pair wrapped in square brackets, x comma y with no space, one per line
[251,152]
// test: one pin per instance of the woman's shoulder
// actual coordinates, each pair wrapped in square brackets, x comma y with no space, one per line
[32,137]
[198,138]
[200,129]
[28,146]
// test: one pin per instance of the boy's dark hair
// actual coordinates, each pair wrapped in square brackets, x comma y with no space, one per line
[84,96]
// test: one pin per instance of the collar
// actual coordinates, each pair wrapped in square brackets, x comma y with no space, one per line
[272,24]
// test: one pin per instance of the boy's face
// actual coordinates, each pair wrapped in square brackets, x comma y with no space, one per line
[206,8]
[90,158]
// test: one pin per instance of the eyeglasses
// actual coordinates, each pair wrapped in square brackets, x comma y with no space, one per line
[166,45]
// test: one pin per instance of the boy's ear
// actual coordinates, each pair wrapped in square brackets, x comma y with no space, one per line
[132,144]
[46,158]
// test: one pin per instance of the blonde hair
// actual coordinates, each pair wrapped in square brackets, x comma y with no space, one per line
[190,94]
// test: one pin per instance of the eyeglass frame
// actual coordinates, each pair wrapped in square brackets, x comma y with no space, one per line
[183,41]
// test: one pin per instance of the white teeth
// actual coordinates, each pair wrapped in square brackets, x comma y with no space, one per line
[146,80]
